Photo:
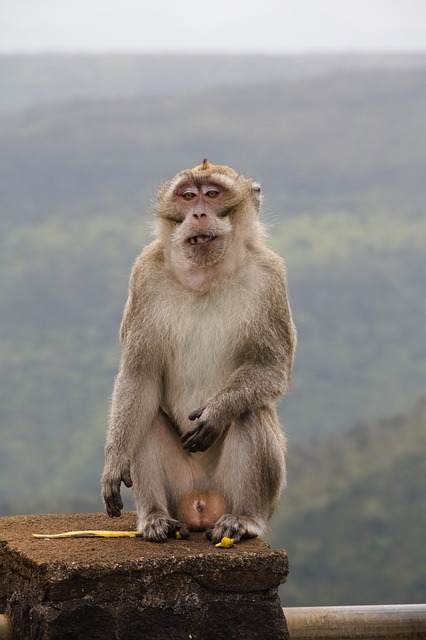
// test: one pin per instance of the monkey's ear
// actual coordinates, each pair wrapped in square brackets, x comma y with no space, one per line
[257,194]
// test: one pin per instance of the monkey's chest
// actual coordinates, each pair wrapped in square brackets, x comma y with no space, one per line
[199,361]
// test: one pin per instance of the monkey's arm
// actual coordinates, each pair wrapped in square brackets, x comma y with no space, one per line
[134,405]
[250,387]
[135,399]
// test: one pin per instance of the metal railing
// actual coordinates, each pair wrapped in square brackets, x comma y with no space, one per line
[378,622]
[393,622]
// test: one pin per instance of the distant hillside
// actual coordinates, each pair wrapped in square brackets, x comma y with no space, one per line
[339,144]
[28,81]
[342,159]
[350,141]
[354,518]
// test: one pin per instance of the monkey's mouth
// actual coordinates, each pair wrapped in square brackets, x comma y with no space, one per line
[201,240]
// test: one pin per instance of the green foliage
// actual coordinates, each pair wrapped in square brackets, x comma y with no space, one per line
[61,308]
[355,285]
[354,517]
[342,159]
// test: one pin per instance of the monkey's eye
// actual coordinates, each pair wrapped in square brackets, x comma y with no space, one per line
[188,195]
[210,190]
[212,193]
[189,192]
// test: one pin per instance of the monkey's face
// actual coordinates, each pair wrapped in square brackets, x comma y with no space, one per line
[201,214]
[200,211]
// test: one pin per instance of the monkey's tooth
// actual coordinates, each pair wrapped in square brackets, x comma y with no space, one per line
[201,239]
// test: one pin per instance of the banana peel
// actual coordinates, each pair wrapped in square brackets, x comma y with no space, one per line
[226,543]
[94,533]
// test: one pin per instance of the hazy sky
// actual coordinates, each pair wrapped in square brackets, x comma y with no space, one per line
[222,25]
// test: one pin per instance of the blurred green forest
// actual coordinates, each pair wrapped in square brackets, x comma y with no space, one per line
[339,144]
[354,516]
[27,81]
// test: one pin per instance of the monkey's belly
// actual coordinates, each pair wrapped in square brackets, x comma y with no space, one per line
[201,509]
[189,386]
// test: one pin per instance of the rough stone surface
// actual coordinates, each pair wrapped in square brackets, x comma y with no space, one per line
[124,588]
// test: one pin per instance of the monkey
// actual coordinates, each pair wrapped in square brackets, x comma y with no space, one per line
[208,344]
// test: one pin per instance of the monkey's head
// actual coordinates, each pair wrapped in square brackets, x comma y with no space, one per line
[203,211]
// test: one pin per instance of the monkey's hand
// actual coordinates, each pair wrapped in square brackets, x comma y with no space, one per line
[111,482]
[202,437]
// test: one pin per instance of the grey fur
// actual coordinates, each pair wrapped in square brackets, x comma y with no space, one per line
[208,346]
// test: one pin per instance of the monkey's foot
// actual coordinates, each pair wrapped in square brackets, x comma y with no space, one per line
[235,527]
[157,527]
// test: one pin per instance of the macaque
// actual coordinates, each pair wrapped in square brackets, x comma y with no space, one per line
[208,344]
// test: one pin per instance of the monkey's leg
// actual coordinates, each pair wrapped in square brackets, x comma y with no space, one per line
[250,474]
[161,472]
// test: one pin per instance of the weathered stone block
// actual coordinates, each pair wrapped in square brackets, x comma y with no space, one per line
[124,588]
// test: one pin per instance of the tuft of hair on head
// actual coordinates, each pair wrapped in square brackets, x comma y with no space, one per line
[206,164]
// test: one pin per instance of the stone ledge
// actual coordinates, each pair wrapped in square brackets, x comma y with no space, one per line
[125,588]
